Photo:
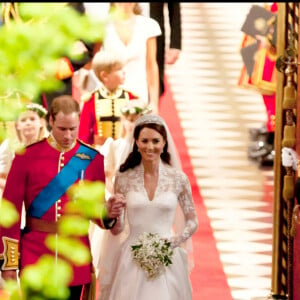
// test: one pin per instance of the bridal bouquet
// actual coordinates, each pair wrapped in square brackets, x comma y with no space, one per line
[152,253]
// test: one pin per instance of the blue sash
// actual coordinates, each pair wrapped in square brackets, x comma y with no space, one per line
[61,182]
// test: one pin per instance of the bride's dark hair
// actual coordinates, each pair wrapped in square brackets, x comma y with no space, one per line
[134,158]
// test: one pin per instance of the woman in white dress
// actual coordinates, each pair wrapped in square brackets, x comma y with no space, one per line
[153,189]
[135,35]
[115,152]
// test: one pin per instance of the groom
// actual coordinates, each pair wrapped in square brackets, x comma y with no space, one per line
[40,178]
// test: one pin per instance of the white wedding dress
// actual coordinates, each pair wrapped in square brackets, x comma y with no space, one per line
[125,280]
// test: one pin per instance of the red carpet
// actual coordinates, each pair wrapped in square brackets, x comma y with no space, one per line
[208,278]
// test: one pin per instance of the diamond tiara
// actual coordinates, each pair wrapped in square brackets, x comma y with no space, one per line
[150,118]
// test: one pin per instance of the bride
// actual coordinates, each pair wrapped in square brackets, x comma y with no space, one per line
[115,153]
[153,189]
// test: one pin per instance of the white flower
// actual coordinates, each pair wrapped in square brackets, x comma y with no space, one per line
[152,253]
[132,110]
[37,108]
[135,106]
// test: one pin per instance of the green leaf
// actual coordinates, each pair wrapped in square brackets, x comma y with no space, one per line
[47,279]
[9,214]
[11,290]
[135,247]
[73,225]
[71,249]
[88,199]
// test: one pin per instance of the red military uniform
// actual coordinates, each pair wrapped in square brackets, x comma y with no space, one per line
[100,116]
[259,72]
[29,174]
[269,73]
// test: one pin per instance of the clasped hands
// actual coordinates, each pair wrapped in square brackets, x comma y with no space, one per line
[115,205]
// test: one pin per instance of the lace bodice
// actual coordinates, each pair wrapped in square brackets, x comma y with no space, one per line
[157,215]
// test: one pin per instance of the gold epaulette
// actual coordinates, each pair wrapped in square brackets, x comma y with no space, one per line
[87,145]
[10,254]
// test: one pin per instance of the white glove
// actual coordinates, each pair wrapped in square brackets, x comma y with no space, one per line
[289,158]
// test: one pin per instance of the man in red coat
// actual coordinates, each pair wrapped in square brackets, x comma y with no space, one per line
[40,178]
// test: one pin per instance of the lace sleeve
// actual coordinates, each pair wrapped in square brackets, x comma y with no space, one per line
[119,188]
[109,157]
[187,205]
[109,167]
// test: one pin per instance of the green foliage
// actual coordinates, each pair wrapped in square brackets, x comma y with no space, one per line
[10,106]
[71,249]
[30,49]
[74,225]
[9,214]
[29,53]
[88,199]
[13,290]
[47,279]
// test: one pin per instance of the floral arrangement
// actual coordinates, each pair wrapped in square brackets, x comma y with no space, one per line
[39,109]
[135,106]
[152,253]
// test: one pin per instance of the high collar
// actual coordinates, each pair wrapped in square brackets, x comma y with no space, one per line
[54,144]
[108,94]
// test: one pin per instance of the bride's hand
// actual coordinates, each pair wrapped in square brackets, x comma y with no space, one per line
[175,242]
[115,205]
[171,240]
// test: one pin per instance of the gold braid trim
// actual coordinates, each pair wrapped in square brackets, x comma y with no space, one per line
[10,254]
